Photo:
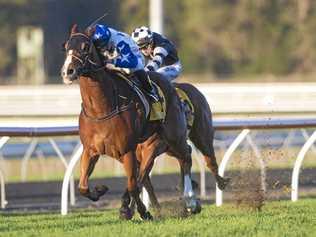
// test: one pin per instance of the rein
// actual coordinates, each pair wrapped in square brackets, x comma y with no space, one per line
[84,62]
[118,109]
[110,115]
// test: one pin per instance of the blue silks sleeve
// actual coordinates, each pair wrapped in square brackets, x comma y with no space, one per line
[126,59]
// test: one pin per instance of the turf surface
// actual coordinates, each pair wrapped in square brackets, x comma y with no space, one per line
[281,218]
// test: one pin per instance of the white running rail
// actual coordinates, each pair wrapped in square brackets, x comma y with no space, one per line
[221,124]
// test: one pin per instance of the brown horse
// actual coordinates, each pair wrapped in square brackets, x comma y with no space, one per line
[112,122]
[201,134]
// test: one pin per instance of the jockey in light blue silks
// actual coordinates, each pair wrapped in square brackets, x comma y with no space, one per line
[121,53]
[160,52]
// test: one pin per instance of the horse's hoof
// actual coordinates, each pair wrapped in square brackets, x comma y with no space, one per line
[222,182]
[101,189]
[193,206]
[195,209]
[126,214]
[198,208]
[97,192]
[146,216]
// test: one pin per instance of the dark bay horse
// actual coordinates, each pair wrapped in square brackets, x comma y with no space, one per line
[112,122]
[201,135]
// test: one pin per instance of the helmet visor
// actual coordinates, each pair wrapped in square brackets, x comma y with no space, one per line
[144,42]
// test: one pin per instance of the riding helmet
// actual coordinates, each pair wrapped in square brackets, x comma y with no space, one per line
[142,36]
[101,35]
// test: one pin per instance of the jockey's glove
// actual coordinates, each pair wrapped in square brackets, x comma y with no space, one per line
[110,66]
[149,68]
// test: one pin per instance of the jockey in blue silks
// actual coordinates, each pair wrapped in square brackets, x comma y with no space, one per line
[121,53]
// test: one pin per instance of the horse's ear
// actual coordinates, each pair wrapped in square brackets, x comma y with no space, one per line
[74,29]
[63,47]
[90,31]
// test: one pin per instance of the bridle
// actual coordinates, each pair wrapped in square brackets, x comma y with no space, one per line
[87,65]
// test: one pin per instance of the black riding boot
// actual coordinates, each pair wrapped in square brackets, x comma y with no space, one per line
[146,84]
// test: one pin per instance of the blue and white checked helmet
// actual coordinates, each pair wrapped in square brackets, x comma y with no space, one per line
[101,35]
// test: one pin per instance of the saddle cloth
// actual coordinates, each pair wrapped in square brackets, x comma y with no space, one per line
[158,109]
[188,106]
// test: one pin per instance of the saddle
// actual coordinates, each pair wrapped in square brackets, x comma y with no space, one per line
[155,111]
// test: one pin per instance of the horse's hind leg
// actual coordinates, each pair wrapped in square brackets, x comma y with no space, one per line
[146,154]
[212,165]
[180,186]
[202,136]
[87,165]
[130,166]
[151,193]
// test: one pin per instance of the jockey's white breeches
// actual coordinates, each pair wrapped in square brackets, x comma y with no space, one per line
[171,72]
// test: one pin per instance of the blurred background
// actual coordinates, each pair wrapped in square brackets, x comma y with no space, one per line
[253,40]
[250,58]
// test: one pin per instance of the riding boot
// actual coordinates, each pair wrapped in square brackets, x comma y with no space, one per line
[146,84]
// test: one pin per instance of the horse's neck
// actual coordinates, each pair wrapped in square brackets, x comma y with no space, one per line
[97,99]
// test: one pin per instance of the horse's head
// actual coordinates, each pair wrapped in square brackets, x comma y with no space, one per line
[80,55]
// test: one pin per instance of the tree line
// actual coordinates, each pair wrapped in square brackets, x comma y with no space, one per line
[222,37]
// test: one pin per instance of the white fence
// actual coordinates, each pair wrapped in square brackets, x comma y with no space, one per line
[242,98]
[242,124]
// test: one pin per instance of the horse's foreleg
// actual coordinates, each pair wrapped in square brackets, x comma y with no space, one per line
[87,165]
[146,154]
[125,212]
[130,166]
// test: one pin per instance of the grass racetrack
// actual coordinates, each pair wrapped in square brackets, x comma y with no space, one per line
[278,218]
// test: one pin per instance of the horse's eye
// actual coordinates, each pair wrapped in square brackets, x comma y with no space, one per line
[84,47]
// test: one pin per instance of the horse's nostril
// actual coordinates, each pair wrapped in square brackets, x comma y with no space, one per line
[70,71]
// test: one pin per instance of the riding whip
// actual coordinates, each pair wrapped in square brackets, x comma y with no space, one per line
[98,19]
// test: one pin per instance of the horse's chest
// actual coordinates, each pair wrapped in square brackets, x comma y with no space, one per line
[111,142]
[113,137]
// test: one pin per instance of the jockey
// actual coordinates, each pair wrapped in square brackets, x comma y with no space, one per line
[122,54]
[161,54]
